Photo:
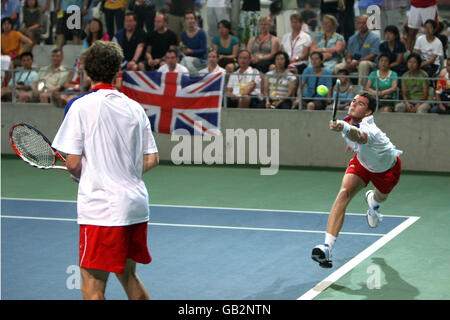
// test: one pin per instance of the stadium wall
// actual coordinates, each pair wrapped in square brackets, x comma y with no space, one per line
[304,137]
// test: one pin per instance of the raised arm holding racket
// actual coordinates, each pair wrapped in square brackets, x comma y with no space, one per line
[377,160]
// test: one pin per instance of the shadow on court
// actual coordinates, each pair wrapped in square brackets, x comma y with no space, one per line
[394,286]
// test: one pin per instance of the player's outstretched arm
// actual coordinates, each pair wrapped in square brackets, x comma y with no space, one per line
[353,133]
[150,161]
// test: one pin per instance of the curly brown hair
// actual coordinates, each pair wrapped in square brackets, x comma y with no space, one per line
[102,61]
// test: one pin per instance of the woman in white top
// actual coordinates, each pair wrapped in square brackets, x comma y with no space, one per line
[429,47]
[213,66]
[297,45]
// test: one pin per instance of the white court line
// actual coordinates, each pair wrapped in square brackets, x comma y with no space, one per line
[204,226]
[219,208]
[335,276]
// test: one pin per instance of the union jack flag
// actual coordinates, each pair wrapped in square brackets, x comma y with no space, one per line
[176,101]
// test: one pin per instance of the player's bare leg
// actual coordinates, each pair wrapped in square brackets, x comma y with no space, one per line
[351,185]
[373,199]
[93,284]
[131,283]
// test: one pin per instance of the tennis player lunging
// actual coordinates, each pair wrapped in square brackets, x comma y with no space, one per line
[376,160]
[109,145]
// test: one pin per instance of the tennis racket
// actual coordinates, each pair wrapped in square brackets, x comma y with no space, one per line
[34,148]
[336,101]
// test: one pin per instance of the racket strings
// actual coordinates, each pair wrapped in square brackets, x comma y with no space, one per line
[33,147]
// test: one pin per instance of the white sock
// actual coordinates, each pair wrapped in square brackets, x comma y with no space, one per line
[330,240]
[371,200]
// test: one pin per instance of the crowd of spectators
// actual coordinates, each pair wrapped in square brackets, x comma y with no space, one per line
[264,69]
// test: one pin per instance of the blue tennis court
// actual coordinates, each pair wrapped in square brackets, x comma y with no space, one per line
[198,252]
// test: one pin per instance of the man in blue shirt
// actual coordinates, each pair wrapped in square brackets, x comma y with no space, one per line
[362,50]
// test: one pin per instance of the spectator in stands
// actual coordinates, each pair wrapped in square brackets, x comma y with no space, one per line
[313,77]
[394,48]
[132,41]
[176,16]
[213,63]
[95,32]
[145,13]
[49,79]
[194,43]
[32,22]
[387,83]
[413,88]
[419,13]
[172,64]
[393,13]
[217,10]
[227,45]
[443,37]
[13,41]
[362,50]
[346,91]
[264,46]
[330,43]
[72,86]
[158,42]
[309,16]
[429,47]
[344,12]
[63,31]
[443,92]
[11,9]
[297,44]
[280,84]
[23,79]
[114,11]
[244,85]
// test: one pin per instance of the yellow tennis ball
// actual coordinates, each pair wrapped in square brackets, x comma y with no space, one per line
[322,90]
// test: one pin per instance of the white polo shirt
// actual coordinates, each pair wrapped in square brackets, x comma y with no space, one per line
[178,68]
[111,133]
[378,154]
[239,80]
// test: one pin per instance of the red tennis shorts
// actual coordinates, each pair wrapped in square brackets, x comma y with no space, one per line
[108,248]
[383,181]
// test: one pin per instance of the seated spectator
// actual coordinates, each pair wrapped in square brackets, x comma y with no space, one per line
[346,92]
[158,42]
[212,66]
[309,16]
[311,81]
[226,45]
[330,43]
[443,92]
[430,49]
[280,84]
[193,47]
[94,33]
[171,63]
[413,88]
[32,23]
[72,87]
[362,50]
[263,47]
[63,31]
[13,41]
[394,48]
[244,85]
[132,41]
[387,83]
[297,44]
[443,36]
[5,65]
[49,79]
[11,9]
[23,79]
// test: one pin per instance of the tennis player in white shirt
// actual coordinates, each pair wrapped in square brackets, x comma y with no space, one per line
[377,160]
[109,145]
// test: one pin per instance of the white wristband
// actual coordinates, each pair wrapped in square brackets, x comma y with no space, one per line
[346,128]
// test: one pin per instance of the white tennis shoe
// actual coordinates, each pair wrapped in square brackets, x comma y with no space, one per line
[322,255]
[373,213]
